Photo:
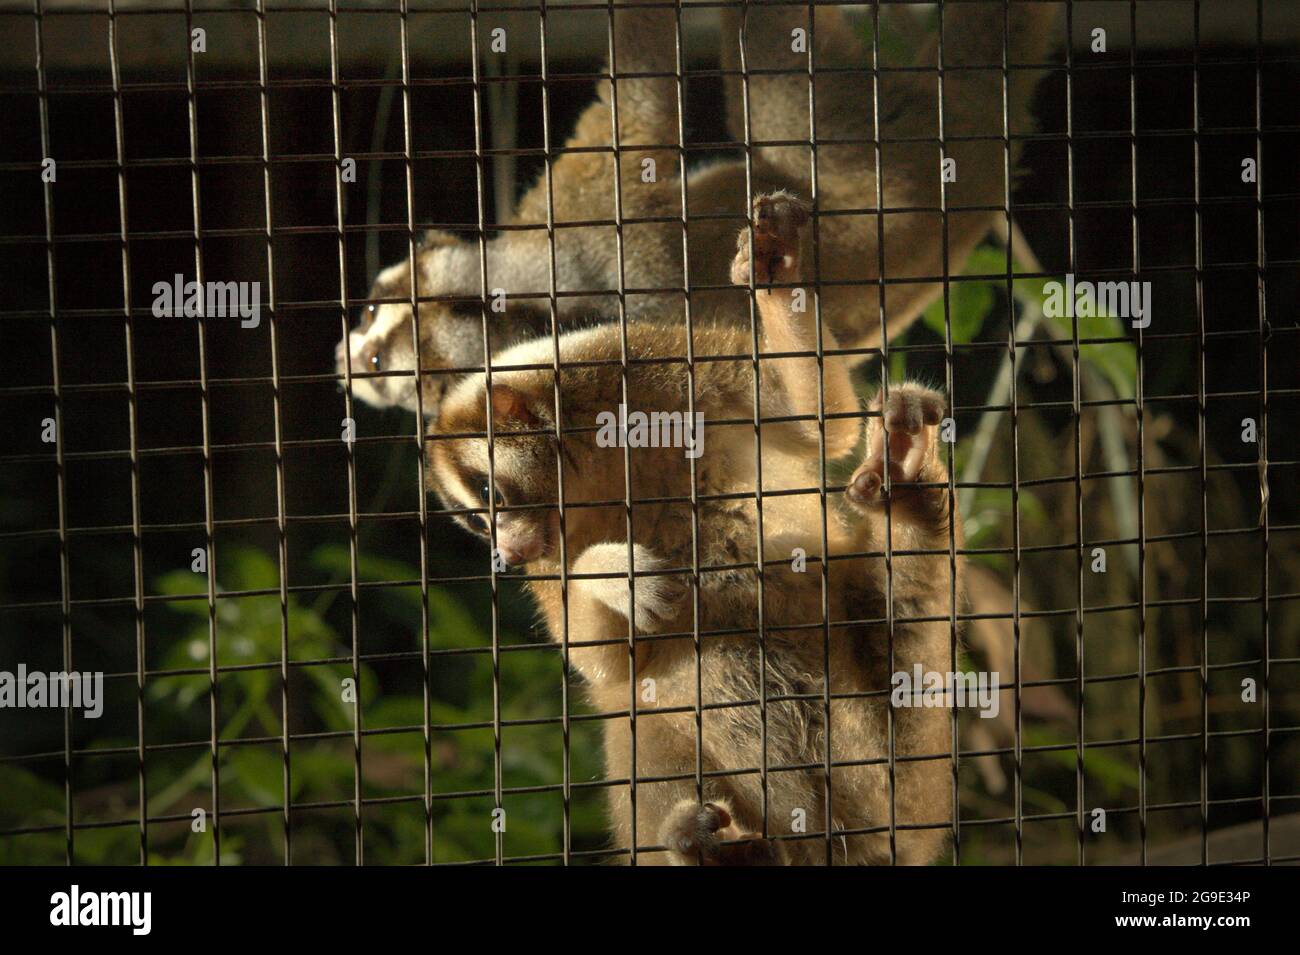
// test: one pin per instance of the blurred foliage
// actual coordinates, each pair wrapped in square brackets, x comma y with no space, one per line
[249,633]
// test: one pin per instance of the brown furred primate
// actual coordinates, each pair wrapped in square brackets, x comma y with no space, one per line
[763,797]
[596,259]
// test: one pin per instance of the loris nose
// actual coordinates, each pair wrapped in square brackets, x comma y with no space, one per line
[519,551]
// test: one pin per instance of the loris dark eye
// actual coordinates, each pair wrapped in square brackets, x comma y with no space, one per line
[485,492]
[376,363]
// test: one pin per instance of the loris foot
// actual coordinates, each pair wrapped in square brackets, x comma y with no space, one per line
[778,219]
[910,418]
[697,831]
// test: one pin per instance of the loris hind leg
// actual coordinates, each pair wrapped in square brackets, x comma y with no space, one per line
[789,326]
[924,591]
[777,80]
[581,180]
[707,833]
[910,420]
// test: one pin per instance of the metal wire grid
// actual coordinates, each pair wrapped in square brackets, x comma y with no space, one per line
[429,656]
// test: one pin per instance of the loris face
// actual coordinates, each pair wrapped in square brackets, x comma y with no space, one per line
[382,345]
[523,492]
[381,342]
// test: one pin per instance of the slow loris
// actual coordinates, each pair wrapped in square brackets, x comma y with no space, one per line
[763,766]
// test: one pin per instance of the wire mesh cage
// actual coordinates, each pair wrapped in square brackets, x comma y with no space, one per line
[281,276]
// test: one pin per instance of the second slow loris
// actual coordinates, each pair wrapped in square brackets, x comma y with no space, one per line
[763,769]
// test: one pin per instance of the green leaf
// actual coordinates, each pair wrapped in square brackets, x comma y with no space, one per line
[259,772]
[970,302]
[1115,361]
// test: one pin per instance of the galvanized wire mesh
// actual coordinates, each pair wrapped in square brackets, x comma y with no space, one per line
[129,313]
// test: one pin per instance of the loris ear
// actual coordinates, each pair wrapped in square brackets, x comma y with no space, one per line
[511,406]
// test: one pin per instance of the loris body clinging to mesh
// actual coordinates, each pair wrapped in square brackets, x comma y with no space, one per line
[761,770]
